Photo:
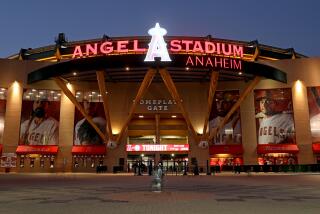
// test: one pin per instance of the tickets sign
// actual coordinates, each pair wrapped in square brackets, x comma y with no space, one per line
[157,147]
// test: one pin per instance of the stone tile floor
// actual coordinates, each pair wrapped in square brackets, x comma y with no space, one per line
[106,193]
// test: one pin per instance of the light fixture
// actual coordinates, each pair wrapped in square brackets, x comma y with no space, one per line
[187,68]
[52,92]
[78,92]
[127,68]
[174,116]
[3,89]
[141,116]
[34,90]
[240,73]
[69,86]
[74,73]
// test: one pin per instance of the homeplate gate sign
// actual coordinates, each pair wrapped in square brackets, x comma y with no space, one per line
[182,51]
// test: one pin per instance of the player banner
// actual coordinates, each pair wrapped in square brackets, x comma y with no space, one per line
[314,112]
[40,117]
[274,116]
[84,133]
[231,132]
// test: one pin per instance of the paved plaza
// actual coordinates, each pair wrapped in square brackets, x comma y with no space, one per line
[108,193]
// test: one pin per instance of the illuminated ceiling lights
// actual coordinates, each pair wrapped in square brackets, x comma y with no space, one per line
[174,116]
[141,116]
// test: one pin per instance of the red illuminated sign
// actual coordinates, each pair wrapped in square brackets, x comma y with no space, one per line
[36,149]
[277,148]
[175,46]
[157,148]
[206,47]
[199,53]
[106,48]
[214,62]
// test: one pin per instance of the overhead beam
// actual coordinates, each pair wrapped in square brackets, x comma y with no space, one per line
[212,91]
[143,88]
[175,95]
[235,107]
[103,92]
[73,99]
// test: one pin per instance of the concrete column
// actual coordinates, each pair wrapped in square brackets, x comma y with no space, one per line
[302,123]
[113,155]
[157,120]
[202,155]
[248,126]
[63,162]
[12,119]
[157,158]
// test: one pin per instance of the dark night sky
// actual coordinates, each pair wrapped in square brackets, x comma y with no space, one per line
[280,23]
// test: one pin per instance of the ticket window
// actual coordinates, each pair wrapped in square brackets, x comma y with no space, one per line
[278,159]
[52,160]
[79,161]
[92,161]
[226,160]
[86,161]
[32,161]
[22,158]
[42,159]
[101,161]
[76,161]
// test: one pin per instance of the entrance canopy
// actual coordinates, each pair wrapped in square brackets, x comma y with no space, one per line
[132,68]
[127,59]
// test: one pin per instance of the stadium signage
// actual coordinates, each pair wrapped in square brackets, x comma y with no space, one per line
[192,47]
[198,53]
[157,147]
[157,105]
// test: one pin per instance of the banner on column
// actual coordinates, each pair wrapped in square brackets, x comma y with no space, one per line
[84,133]
[274,116]
[231,132]
[314,112]
[40,117]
